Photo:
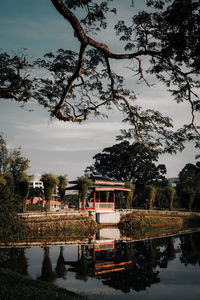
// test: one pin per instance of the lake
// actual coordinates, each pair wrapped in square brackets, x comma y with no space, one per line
[160,268]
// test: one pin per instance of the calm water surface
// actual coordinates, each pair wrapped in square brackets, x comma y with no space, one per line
[162,268]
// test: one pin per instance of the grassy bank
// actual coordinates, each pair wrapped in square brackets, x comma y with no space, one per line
[53,228]
[15,286]
[59,227]
[155,222]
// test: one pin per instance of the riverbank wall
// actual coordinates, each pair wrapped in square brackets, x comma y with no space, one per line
[80,227]
[96,215]
[86,221]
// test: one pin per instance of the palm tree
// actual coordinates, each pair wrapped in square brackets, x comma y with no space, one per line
[50,181]
[83,184]
[62,183]
[171,192]
[23,189]
[129,195]
[150,192]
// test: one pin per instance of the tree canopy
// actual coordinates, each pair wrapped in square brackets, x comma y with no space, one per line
[14,79]
[62,183]
[49,181]
[11,161]
[161,42]
[129,163]
[14,186]
[189,186]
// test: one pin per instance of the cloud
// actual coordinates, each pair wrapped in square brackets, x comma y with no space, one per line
[58,136]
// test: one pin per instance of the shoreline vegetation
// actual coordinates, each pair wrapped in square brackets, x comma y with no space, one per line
[65,227]
[47,229]
[150,224]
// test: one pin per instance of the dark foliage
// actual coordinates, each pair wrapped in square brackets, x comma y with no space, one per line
[128,162]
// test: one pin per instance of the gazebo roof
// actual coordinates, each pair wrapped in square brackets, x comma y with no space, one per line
[102,185]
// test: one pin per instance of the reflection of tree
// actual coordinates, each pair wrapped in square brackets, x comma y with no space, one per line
[140,273]
[47,272]
[169,253]
[60,267]
[146,256]
[190,246]
[15,260]
[82,266]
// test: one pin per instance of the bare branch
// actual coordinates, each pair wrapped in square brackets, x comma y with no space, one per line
[57,111]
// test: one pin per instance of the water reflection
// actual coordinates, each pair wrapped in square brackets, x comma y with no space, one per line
[114,268]
[61,269]
[190,249]
[47,273]
[14,259]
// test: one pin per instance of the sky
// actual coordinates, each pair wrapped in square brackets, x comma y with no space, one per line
[67,148]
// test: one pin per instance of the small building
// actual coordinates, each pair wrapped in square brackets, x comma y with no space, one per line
[173,181]
[35,181]
[101,195]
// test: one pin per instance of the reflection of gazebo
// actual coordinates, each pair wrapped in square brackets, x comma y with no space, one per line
[98,259]
[107,263]
[101,195]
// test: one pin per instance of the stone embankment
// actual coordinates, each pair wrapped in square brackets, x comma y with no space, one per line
[75,224]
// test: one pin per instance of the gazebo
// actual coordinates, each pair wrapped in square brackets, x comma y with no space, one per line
[101,195]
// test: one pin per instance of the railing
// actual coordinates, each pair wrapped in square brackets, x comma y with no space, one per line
[104,205]
[98,205]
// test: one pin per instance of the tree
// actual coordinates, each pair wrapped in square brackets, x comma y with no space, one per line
[12,161]
[23,189]
[150,192]
[161,199]
[165,196]
[128,162]
[35,192]
[12,168]
[162,41]
[14,81]
[17,164]
[171,192]
[14,186]
[83,184]
[72,200]
[3,156]
[129,195]
[189,185]
[169,40]
[49,181]
[62,183]
[11,227]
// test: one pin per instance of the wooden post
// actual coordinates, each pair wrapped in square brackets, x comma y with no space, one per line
[99,198]
[114,252]
[114,198]
[93,253]
[94,198]
[79,200]
[79,250]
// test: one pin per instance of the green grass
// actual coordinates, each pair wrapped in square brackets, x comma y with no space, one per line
[16,287]
[62,218]
[150,221]
[34,207]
